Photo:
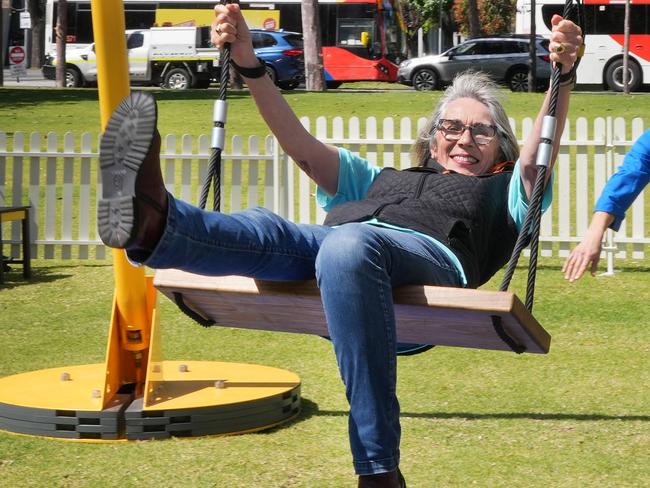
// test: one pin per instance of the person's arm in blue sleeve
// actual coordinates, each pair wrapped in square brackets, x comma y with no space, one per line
[617,196]
[629,180]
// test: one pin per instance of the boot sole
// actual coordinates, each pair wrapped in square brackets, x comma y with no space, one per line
[123,147]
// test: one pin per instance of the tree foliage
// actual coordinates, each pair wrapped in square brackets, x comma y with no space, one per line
[495,16]
[420,14]
[425,15]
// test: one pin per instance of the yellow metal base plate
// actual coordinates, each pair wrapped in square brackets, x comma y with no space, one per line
[183,398]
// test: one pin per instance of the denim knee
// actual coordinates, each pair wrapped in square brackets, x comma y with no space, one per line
[349,250]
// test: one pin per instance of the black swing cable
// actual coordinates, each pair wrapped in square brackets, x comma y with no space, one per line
[217,142]
[218,136]
[530,230]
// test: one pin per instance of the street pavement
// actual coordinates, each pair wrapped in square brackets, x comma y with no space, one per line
[33,78]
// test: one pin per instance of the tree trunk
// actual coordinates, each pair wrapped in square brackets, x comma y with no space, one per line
[312,40]
[61,32]
[472,17]
[412,45]
[36,10]
[448,28]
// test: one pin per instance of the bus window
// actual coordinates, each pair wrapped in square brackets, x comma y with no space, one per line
[393,38]
[606,19]
[357,35]
[610,19]
[549,10]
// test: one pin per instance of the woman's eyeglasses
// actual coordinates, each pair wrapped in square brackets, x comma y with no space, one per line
[453,129]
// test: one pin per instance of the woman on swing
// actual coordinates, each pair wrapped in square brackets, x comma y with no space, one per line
[452,221]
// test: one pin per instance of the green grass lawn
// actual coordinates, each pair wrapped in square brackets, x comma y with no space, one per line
[190,112]
[577,417]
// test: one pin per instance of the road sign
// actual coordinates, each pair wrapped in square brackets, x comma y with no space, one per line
[25,20]
[16,55]
[18,70]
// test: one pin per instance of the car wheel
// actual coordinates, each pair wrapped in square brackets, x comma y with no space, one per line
[425,79]
[177,79]
[518,81]
[272,74]
[614,76]
[73,78]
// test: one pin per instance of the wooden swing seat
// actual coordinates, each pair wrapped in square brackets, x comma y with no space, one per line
[441,316]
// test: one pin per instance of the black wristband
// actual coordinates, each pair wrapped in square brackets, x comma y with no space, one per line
[256,72]
[568,76]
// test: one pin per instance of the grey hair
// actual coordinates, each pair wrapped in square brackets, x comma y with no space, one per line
[480,87]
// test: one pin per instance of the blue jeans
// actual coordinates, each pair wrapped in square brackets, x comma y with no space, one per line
[356,266]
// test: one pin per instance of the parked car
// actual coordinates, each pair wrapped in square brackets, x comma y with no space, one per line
[504,57]
[172,57]
[282,54]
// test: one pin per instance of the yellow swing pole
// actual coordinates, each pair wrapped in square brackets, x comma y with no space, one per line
[137,395]
[131,322]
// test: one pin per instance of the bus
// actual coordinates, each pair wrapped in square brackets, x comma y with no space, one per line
[602,63]
[363,40]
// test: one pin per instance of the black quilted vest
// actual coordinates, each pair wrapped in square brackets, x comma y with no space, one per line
[469,214]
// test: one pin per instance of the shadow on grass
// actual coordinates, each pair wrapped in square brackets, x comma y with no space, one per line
[14,277]
[24,97]
[310,409]
[29,97]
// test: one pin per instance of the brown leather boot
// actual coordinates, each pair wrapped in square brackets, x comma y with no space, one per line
[133,209]
[392,479]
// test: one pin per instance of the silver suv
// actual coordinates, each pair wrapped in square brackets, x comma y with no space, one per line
[505,58]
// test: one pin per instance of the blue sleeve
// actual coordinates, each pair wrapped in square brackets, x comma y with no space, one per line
[355,177]
[629,180]
[518,200]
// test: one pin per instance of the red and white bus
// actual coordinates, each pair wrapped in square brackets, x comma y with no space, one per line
[363,40]
[602,63]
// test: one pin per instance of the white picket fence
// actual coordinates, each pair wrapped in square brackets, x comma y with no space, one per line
[58,177]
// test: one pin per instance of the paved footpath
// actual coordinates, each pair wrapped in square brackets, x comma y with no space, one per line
[34,78]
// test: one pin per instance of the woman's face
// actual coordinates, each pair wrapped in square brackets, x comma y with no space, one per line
[465,155]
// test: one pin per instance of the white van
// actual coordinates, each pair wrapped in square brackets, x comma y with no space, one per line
[171,57]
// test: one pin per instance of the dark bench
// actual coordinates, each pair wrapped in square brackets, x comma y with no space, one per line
[9,214]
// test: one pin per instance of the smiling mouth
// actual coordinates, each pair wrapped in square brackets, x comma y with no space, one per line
[464,159]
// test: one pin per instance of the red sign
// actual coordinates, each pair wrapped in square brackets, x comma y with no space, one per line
[269,24]
[16,55]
